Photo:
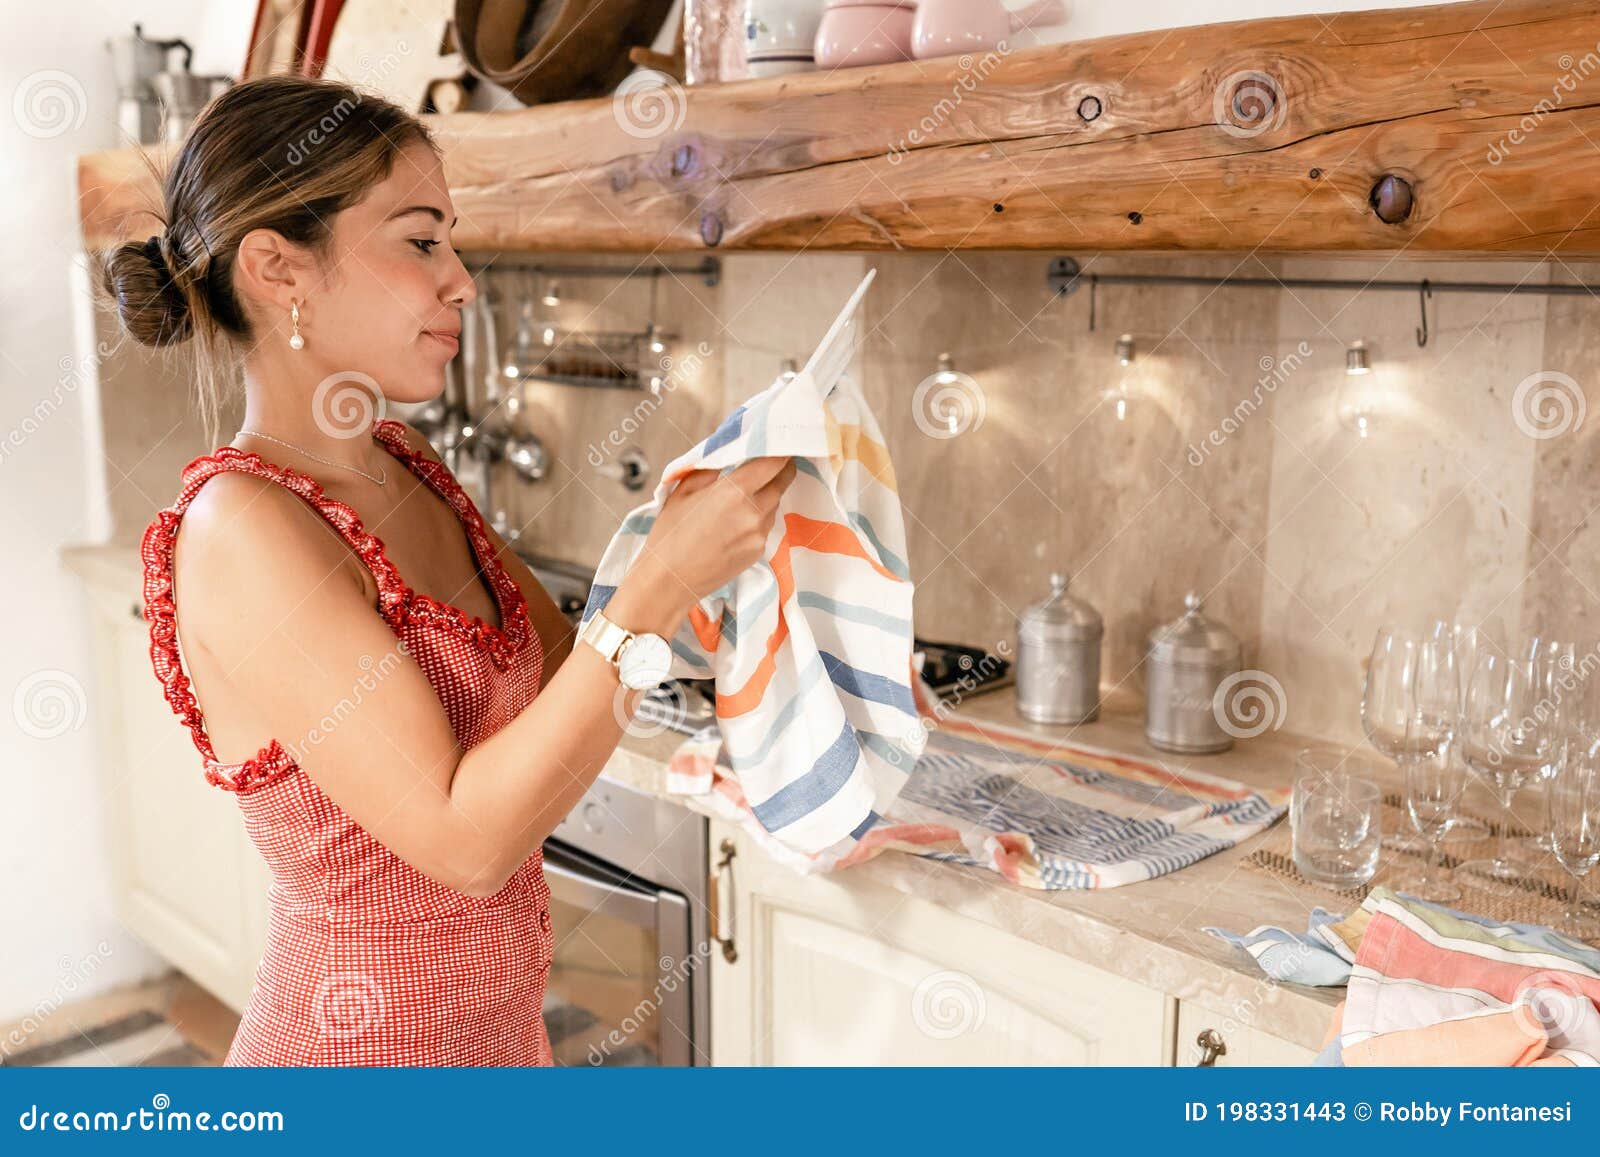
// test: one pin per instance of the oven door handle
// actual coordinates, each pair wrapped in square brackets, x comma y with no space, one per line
[601,888]
[714,892]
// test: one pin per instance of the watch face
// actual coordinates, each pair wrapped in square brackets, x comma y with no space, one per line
[645,662]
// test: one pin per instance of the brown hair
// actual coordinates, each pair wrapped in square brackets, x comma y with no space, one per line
[281,152]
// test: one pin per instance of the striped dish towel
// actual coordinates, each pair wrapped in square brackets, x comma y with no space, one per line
[1043,815]
[810,649]
[1432,986]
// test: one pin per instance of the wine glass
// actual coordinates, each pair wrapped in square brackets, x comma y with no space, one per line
[1565,687]
[1411,701]
[1507,735]
[1434,783]
[1466,644]
[1572,812]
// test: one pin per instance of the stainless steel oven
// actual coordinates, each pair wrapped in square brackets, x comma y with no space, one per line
[629,983]
[627,871]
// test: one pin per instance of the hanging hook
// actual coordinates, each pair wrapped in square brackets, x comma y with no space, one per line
[1422,304]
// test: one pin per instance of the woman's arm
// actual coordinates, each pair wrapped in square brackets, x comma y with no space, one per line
[262,590]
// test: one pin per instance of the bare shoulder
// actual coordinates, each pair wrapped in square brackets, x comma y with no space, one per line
[246,541]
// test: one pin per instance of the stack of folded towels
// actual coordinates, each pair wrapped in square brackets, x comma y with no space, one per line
[1430,985]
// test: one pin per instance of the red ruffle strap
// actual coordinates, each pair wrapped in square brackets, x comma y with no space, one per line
[503,644]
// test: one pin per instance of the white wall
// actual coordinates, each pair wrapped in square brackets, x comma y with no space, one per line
[59,102]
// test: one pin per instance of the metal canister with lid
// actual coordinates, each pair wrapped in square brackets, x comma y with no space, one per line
[1058,658]
[1187,661]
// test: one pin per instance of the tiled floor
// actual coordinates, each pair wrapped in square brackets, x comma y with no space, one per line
[170,1021]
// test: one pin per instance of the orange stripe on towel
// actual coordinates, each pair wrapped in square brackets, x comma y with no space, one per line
[803,533]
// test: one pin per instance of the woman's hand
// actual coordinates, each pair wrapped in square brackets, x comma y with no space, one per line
[711,528]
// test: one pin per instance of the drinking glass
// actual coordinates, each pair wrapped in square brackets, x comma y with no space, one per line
[1564,691]
[1411,702]
[1506,738]
[1572,811]
[1434,783]
[1467,643]
[1334,819]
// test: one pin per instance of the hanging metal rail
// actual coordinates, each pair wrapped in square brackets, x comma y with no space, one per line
[1067,277]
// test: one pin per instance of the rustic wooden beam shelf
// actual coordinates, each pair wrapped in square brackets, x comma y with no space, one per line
[1447,130]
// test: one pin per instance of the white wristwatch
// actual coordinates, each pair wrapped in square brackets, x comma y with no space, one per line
[642,660]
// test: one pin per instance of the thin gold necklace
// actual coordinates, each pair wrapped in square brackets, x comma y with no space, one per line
[319,458]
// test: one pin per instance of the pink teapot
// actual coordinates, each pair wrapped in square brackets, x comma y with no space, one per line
[949,27]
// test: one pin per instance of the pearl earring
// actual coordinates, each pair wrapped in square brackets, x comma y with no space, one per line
[296,342]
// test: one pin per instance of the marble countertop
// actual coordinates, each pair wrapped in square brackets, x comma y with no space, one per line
[1147,932]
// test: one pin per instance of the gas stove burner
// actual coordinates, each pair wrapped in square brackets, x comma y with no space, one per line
[955,671]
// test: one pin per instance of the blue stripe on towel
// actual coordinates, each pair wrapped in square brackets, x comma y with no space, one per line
[798,799]
[866,685]
[727,432]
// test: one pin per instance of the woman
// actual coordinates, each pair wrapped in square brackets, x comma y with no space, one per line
[398,770]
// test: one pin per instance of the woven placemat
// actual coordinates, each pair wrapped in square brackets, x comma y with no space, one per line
[1539,897]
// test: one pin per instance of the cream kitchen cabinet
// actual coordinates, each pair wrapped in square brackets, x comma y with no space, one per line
[188,881]
[834,970]
[1207,1036]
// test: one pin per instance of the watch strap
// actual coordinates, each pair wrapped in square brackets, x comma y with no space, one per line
[606,637]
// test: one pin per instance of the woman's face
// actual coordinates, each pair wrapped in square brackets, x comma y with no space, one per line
[391,307]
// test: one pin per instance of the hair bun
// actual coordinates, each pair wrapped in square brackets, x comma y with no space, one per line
[150,303]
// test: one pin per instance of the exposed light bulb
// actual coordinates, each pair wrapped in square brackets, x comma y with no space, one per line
[552,296]
[1124,350]
[946,374]
[1355,360]
[789,369]
[549,335]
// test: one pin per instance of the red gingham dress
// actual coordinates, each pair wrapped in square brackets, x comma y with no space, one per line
[368,961]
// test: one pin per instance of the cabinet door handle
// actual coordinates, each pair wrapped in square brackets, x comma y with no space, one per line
[714,893]
[1212,1046]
